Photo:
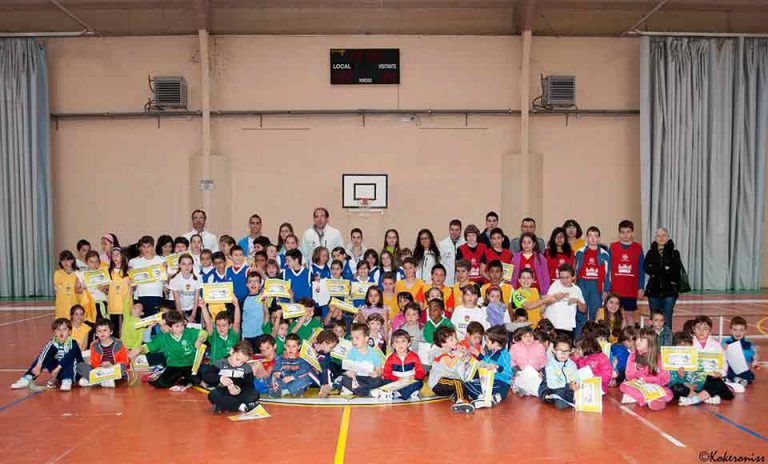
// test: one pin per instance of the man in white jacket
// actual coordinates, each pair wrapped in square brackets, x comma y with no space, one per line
[199,218]
[448,248]
[320,234]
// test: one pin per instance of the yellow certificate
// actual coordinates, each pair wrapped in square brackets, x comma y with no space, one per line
[676,357]
[507,270]
[173,261]
[292,310]
[342,349]
[257,413]
[308,354]
[221,292]
[344,306]
[96,278]
[277,288]
[650,391]
[147,321]
[101,374]
[338,287]
[589,396]
[359,289]
[198,358]
[471,369]
[486,383]
[148,274]
[712,361]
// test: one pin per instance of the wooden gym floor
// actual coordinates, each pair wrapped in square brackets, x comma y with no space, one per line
[139,424]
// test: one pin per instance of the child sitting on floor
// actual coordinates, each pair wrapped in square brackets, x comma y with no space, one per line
[263,363]
[685,383]
[473,343]
[59,357]
[589,353]
[714,389]
[435,320]
[449,370]
[560,375]
[494,356]
[323,344]
[376,329]
[362,382]
[105,352]
[179,346]
[644,364]
[290,376]
[403,364]
[233,378]
[412,325]
[620,353]
[526,352]
[738,335]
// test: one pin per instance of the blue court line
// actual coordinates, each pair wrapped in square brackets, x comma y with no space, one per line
[738,426]
[20,400]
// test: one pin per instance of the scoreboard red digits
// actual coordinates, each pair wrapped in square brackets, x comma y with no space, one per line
[365,66]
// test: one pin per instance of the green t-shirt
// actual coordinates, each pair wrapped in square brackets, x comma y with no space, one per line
[130,335]
[178,353]
[305,332]
[279,346]
[218,347]
[430,327]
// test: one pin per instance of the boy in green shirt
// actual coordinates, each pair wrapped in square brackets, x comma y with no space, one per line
[179,346]
[436,319]
[131,336]
[306,325]
[221,339]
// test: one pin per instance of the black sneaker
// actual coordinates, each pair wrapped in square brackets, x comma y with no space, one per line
[215,409]
[463,407]
[251,406]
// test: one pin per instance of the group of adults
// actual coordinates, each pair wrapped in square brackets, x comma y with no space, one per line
[661,263]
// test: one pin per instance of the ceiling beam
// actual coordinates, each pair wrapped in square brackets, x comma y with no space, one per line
[74,17]
[202,14]
[524,14]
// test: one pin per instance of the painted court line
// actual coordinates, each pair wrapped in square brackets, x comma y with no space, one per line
[650,425]
[738,426]
[341,444]
[19,401]
[26,308]
[25,319]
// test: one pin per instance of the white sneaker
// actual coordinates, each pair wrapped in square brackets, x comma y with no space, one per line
[689,400]
[415,396]
[713,400]
[66,385]
[23,382]
[736,387]
[479,404]
[108,384]
[346,391]
[626,399]
[83,382]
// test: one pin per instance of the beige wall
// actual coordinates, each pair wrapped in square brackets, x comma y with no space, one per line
[132,177]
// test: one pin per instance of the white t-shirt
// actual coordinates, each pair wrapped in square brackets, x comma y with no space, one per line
[97,294]
[463,316]
[310,240]
[448,258]
[209,240]
[560,313]
[187,288]
[150,288]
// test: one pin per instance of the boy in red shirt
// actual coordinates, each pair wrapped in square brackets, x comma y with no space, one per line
[473,343]
[627,275]
[472,252]
[592,265]
[403,364]
[495,252]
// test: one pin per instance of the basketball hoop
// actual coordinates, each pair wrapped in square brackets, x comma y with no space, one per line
[364,207]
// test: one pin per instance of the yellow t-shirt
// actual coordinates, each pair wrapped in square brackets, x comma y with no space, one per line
[80,335]
[531,294]
[601,317]
[65,292]
[578,244]
[391,303]
[417,290]
[119,293]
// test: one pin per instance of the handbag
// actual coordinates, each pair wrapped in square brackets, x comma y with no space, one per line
[684,285]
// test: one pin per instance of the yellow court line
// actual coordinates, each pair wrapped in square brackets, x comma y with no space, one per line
[341,444]
[758,326]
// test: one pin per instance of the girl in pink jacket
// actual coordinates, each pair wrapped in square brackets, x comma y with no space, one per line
[644,364]
[525,352]
[589,353]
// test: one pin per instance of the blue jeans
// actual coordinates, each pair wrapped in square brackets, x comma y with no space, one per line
[593,300]
[666,305]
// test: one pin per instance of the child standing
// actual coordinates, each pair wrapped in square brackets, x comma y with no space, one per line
[59,357]
[468,311]
[254,310]
[738,335]
[663,334]
[435,320]
[237,273]
[592,272]
[472,252]
[495,272]
[496,252]
[297,275]
[178,345]
[222,336]
[530,257]
[64,283]
[411,283]
[527,297]
[149,294]
[565,301]
[95,294]
[412,325]
[627,276]
[644,364]
[558,252]
[120,297]
[233,378]
[186,289]
[357,383]
[404,364]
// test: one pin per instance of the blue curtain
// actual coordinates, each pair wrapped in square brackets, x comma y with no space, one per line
[704,121]
[26,220]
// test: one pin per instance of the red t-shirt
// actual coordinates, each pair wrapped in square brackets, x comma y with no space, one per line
[554,263]
[590,269]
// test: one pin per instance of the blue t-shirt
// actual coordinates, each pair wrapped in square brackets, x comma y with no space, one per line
[370,356]
[238,279]
[620,353]
[253,316]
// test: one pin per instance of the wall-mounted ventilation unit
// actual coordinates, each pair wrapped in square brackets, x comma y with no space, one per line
[559,91]
[170,92]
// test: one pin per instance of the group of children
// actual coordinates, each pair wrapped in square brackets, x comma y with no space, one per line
[388,334]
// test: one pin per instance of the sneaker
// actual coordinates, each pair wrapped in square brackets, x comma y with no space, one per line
[463,407]
[518,391]
[83,382]
[713,400]
[415,396]
[479,404]
[23,382]
[376,393]
[66,385]
[735,386]
[108,384]
[740,381]
[689,400]
[496,398]
[250,406]
[626,399]
[325,390]
[346,391]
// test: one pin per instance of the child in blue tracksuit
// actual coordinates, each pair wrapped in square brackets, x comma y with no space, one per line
[59,357]
[494,354]
[593,276]
[560,376]
[291,374]
[738,335]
